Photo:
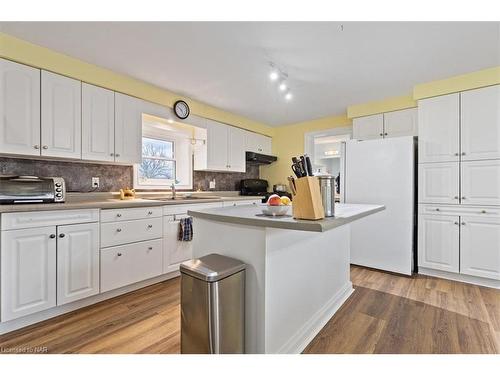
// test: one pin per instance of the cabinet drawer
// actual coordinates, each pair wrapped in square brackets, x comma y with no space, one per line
[242,202]
[459,210]
[123,232]
[128,264]
[124,214]
[21,220]
[184,208]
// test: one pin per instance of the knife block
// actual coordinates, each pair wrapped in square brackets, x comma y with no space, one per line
[307,203]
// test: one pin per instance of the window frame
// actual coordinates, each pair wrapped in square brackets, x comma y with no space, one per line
[167,182]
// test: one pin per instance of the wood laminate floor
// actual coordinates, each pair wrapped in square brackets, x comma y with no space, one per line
[386,314]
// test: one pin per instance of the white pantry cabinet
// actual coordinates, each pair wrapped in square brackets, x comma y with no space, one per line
[480,123]
[258,143]
[98,123]
[401,123]
[368,127]
[28,271]
[19,109]
[439,183]
[128,129]
[61,117]
[480,182]
[224,150]
[438,242]
[480,246]
[438,129]
[77,262]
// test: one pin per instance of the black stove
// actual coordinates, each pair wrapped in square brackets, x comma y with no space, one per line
[258,187]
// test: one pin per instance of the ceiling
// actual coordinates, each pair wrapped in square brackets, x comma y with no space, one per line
[226,64]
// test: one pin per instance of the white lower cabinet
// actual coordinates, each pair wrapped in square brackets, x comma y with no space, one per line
[122,232]
[28,271]
[77,262]
[175,251]
[130,263]
[480,246]
[438,242]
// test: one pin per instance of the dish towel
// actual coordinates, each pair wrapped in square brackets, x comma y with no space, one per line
[185,229]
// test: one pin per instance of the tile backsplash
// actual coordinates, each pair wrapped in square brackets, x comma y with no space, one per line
[112,177]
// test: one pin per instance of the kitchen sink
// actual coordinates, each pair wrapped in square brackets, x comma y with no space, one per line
[184,198]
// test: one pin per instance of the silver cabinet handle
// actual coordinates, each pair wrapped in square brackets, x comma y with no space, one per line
[483,212]
[437,209]
[117,155]
[456,197]
[150,212]
[111,154]
[119,254]
[36,147]
[150,248]
[118,215]
[381,134]
[118,229]
[386,134]
[463,153]
[456,154]
[62,235]
[52,236]
[463,198]
[150,226]
[45,147]
[456,223]
[463,222]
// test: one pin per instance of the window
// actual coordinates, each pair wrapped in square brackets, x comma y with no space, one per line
[158,165]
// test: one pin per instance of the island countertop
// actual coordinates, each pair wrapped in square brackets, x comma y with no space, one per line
[252,215]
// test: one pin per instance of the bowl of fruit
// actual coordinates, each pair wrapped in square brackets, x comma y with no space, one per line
[277,206]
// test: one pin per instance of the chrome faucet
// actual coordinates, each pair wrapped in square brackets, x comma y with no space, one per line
[174,193]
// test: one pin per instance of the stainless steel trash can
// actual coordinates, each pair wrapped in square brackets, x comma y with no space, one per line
[212,305]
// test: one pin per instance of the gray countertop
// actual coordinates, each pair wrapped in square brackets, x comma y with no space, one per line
[86,201]
[252,215]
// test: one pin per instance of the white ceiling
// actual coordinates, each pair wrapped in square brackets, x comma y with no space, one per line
[226,64]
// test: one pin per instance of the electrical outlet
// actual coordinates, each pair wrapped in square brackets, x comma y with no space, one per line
[95,182]
[211,184]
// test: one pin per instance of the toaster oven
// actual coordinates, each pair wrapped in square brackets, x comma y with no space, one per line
[31,189]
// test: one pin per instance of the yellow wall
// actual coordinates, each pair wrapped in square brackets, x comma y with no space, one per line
[469,81]
[288,141]
[380,106]
[40,57]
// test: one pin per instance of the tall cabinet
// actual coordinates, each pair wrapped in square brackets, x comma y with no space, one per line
[459,185]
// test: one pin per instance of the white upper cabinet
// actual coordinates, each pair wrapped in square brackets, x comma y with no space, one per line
[368,127]
[480,125]
[98,123]
[28,271]
[438,128]
[480,247]
[438,242]
[401,123]
[236,158]
[480,182]
[19,109]
[61,116]
[438,183]
[128,129]
[217,146]
[77,262]
[258,143]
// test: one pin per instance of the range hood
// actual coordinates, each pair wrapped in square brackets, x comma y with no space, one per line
[255,158]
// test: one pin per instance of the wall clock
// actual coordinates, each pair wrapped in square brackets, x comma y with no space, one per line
[181,109]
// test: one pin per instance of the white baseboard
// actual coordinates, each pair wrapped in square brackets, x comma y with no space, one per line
[311,328]
[490,283]
[25,321]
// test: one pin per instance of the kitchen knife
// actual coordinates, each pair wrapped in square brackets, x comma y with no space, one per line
[291,183]
[309,166]
[303,165]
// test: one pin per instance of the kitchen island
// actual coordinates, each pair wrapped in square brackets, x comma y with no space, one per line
[297,270]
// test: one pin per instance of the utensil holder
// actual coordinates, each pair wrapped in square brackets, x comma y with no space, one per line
[307,202]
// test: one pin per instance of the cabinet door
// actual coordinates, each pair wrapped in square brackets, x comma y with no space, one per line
[438,183]
[368,127]
[77,262]
[480,247]
[128,129]
[401,123]
[61,116]
[236,159]
[266,145]
[438,242]
[480,182]
[258,143]
[438,128]
[174,251]
[98,123]
[217,146]
[19,109]
[28,271]
[480,125]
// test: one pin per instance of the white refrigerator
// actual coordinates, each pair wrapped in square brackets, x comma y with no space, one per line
[382,171]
